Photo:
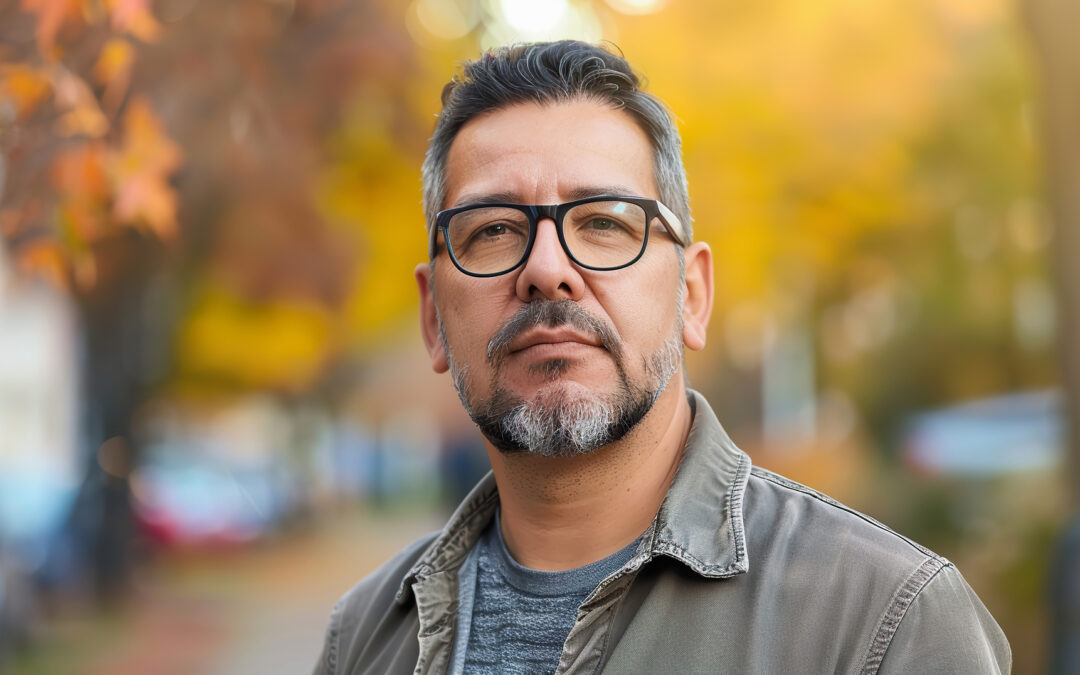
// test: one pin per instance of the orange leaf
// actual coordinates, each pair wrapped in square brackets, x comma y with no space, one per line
[115,61]
[78,174]
[44,259]
[148,199]
[89,122]
[27,87]
[140,172]
[83,116]
[146,147]
[52,15]
[113,69]
[81,171]
[134,17]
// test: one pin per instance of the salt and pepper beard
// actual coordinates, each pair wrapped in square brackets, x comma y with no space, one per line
[554,422]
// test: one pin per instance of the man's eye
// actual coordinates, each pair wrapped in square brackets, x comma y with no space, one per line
[602,224]
[494,230]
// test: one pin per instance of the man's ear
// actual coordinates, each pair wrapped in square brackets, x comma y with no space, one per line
[429,319]
[697,304]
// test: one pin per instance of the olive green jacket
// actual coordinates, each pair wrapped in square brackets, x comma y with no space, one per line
[742,571]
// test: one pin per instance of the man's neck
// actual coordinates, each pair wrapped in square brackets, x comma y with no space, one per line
[565,512]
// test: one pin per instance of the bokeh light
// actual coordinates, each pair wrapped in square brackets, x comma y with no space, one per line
[637,6]
[445,19]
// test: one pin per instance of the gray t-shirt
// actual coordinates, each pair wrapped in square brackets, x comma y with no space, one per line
[518,618]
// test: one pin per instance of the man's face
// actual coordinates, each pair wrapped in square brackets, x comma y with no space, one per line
[550,344]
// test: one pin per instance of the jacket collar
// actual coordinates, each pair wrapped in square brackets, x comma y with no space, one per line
[700,522]
[462,531]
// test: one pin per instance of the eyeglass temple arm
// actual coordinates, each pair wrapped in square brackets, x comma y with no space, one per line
[674,224]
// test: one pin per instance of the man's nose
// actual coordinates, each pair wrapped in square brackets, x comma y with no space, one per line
[549,273]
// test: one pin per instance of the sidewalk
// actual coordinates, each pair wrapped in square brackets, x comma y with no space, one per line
[256,610]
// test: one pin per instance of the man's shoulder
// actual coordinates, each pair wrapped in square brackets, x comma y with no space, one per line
[916,604]
[807,545]
[780,509]
[843,568]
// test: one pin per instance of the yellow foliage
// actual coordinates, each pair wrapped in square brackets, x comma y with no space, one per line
[375,192]
[277,345]
[794,123]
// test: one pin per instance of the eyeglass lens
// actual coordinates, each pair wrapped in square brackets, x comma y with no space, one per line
[492,239]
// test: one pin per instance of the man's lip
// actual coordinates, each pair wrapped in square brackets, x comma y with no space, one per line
[542,336]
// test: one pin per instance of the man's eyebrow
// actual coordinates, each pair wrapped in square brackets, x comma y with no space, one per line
[598,190]
[571,195]
[487,198]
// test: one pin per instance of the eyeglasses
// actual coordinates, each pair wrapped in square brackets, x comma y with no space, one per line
[597,233]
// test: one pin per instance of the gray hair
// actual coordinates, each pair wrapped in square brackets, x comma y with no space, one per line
[552,72]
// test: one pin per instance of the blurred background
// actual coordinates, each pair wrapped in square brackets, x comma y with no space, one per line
[216,413]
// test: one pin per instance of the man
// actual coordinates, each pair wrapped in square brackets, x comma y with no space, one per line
[620,529]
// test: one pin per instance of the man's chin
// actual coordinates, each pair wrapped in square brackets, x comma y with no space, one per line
[561,419]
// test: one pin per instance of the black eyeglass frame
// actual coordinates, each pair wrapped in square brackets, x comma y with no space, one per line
[654,209]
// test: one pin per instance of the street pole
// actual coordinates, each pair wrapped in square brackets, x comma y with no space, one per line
[1053,25]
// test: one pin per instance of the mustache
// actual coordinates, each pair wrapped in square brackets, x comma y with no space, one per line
[552,313]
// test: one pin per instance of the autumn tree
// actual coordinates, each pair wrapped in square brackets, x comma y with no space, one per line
[87,204]
[201,179]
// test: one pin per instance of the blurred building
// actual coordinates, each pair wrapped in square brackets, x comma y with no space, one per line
[40,469]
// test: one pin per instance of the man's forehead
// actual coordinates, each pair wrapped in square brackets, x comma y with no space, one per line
[557,152]
[568,194]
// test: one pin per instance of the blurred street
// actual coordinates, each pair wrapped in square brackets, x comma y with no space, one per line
[257,609]
[209,223]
